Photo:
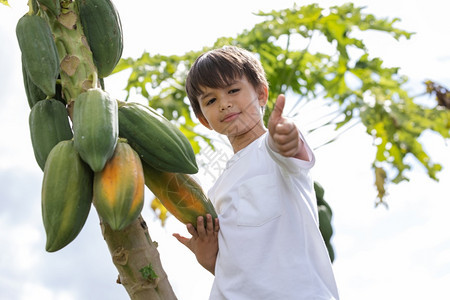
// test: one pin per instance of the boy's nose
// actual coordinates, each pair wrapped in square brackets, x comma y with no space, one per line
[225,104]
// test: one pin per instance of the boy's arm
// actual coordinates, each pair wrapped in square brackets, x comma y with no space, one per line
[204,241]
[284,137]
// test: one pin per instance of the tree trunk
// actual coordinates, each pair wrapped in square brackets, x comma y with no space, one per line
[132,249]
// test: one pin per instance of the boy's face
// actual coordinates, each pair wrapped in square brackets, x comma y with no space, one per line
[234,110]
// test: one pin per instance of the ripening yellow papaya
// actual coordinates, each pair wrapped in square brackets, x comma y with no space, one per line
[180,194]
[119,188]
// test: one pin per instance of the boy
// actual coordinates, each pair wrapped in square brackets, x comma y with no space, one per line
[269,245]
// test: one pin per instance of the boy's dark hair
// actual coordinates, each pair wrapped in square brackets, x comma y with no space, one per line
[218,68]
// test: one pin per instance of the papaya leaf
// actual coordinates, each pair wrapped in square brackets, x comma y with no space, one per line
[191,135]
[380,178]
[123,65]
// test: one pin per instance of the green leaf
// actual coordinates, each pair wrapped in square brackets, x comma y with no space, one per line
[148,272]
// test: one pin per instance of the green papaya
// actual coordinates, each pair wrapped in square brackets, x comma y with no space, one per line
[39,52]
[49,124]
[103,30]
[53,6]
[157,141]
[325,223]
[67,189]
[325,216]
[95,126]
[320,192]
[33,93]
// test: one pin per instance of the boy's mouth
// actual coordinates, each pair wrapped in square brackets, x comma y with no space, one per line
[230,117]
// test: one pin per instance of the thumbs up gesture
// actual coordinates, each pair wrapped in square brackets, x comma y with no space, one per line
[284,136]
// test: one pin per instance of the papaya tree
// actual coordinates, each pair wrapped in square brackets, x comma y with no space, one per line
[96,151]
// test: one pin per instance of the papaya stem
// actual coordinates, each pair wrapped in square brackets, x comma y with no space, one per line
[95,79]
[30,7]
[122,140]
[78,71]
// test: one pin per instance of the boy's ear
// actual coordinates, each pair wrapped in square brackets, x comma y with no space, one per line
[204,122]
[263,95]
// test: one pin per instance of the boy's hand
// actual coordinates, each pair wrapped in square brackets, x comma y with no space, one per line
[284,136]
[204,241]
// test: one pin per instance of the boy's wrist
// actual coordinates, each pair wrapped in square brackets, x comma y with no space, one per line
[209,265]
[302,153]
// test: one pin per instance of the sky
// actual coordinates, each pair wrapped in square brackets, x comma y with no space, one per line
[402,252]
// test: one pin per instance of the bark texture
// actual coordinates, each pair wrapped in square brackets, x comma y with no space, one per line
[131,250]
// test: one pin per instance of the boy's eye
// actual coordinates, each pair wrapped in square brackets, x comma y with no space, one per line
[210,101]
[232,91]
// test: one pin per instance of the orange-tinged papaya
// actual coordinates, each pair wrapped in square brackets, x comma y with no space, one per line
[119,188]
[180,194]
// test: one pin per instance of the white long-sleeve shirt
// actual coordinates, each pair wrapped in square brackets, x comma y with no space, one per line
[270,246]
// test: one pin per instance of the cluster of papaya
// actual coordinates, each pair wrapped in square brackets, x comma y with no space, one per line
[105,151]
[325,215]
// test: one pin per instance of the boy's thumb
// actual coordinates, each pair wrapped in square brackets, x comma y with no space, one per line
[181,239]
[278,109]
